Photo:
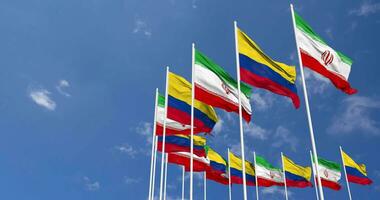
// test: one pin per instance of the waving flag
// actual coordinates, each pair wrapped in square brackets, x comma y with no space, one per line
[330,174]
[296,175]
[356,173]
[182,143]
[218,167]
[267,175]
[237,171]
[172,126]
[321,58]
[259,70]
[217,88]
[179,105]
[200,163]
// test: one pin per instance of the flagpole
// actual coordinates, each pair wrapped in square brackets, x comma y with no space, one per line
[256,182]
[307,107]
[166,174]
[283,171]
[183,182]
[154,166]
[345,173]
[192,120]
[229,176]
[164,133]
[240,113]
[204,186]
[153,146]
[315,182]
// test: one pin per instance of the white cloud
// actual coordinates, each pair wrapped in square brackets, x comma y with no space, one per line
[145,129]
[142,28]
[366,8]
[274,191]
[62,84]
[262,100]
[283,137]
[127,149]
[129,180]
[316,84]
[41,97]
[91,185]
[356,116]
[255,131]
[218,126]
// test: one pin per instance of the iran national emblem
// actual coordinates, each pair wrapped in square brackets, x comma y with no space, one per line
[326,173]
[327,57]
[225,88]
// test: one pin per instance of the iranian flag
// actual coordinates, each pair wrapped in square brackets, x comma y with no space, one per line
[200,163]
[330,174]
[267,175]
[172,126]
[217,88]
[321,58]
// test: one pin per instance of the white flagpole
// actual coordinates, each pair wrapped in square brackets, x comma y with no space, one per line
[229,176]
[240,113]
[307,107]
[192,121]
[345,173]
[183,182]
[166,174]
[283,171]
[164,134]
[153,145]
[315,182]
[204,186]
[256,182]
[154,166]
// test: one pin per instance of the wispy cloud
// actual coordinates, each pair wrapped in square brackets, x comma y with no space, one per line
[275,191]
[42,98]
[141,27]
[62,85]
[283,136]
[262,100]
[366,8]
[317,84]
[91,185]
[130,180]
[145,129]
[255,131]
[355,114]
[329,33]
[127,149]
[218,126]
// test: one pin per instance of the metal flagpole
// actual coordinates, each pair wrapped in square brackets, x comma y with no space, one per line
[204,186]
[256,182]
[307,107]
[345,173]
[283,171]
[315,182]
[229,176]
[164,133]
[154,166]
[166,174]
[153,145]
[183,182]
[240,113]
[192,120]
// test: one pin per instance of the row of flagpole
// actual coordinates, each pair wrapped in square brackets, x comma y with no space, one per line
[162,191]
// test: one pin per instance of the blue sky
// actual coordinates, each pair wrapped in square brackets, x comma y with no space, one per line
[77,88]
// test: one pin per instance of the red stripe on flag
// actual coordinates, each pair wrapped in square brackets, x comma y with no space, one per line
[267,183]
[359,180]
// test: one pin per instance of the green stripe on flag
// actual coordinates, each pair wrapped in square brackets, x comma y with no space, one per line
[329,164]
[262,162]
[161,100]
[305,27]
[207,63]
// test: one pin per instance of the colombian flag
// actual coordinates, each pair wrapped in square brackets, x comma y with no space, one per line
[356,173]
[259,70]
[182,143]
[237,171]
[296,175]
[218,167]
[179,106]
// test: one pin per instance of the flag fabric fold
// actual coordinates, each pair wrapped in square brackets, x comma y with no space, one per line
[267,175]
[217,88]
[200,163]
[237,171]
[259,70]
[356,173]
[317,55]
[182,143]
[296,175]
[179,105]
